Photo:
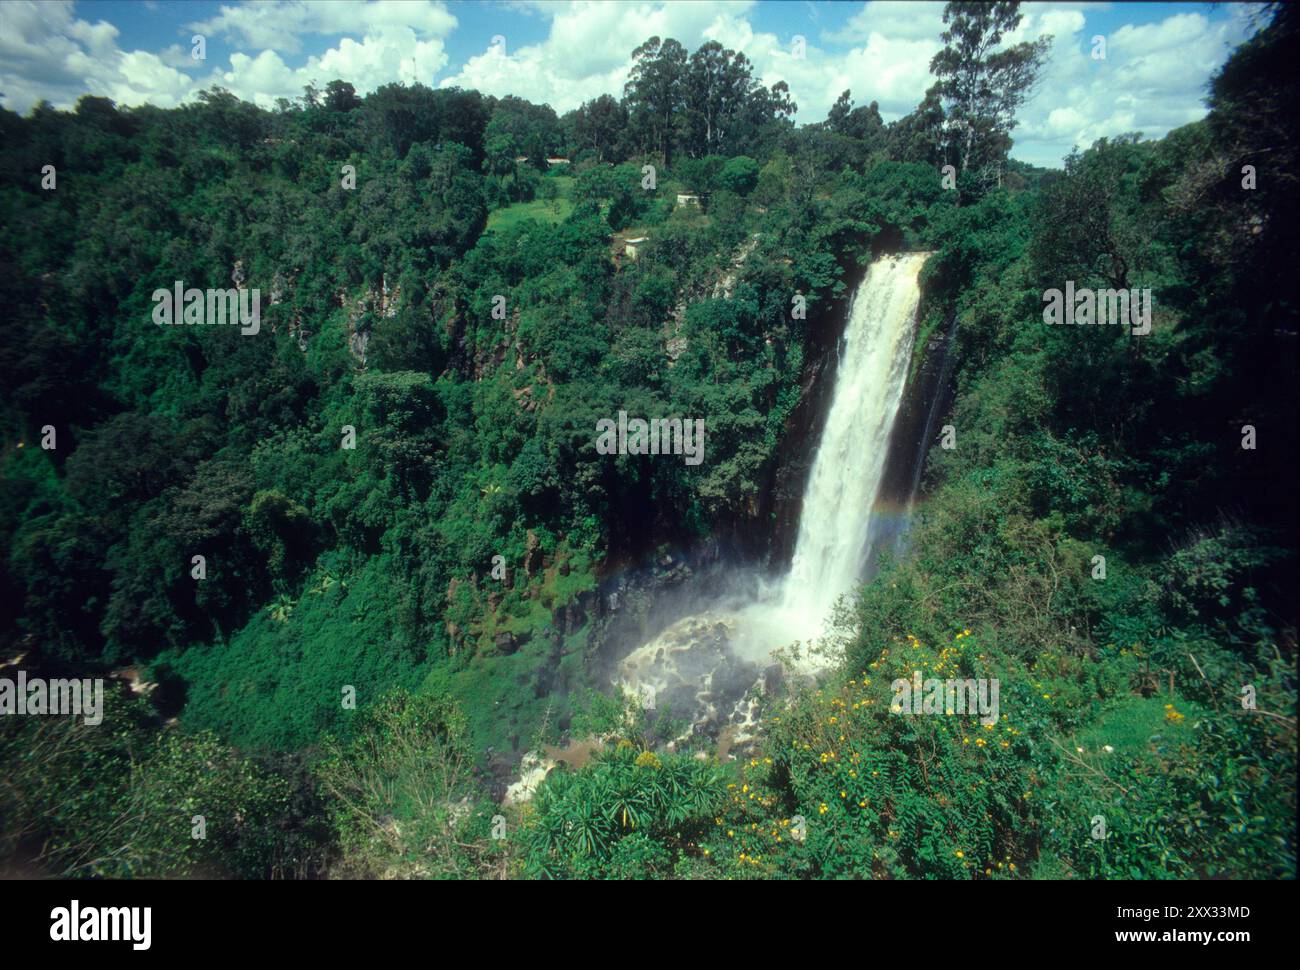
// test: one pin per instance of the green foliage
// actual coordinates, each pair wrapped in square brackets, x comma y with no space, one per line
[739,175]
[401,796]
[628,815]
[1184,794]
[277,683]
[884,794]
[121,799]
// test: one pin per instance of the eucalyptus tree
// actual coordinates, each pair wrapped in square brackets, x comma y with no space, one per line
[655,94]
[982,81]
[718,85]
[598,125]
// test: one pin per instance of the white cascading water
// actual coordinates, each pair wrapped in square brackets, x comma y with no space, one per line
[693,663]
[850,460]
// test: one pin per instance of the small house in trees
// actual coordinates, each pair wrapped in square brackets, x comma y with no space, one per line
[687,199]
[631,247]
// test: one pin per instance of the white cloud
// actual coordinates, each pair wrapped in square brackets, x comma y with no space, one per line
[279,24]
[1152,80]
[907,19]
[390,54]
[378,43]
[589,47]
[586,54]
[49,53]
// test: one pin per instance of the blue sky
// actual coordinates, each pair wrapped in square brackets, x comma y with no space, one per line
[1159,56]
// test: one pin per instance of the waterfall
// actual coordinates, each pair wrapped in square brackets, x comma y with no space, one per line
[835,523]
[704,664]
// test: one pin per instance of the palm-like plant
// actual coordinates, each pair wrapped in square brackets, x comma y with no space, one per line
[282,608]
[582,815]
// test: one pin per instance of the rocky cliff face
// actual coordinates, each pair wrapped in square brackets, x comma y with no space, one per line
[926,399]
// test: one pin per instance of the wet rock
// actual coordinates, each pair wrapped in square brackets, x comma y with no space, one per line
[533,769]
[773,678]
[692,668]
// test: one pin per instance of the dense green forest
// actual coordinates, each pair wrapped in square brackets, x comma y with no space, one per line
[464,311]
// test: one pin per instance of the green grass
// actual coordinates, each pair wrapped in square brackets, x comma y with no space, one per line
[552,211]
[1133,725]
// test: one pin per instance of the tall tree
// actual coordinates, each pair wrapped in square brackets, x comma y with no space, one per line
[982,82]
[922,135]
[1257,146]
[863,122]
[654,93]
[598,125]
[717,86]
[768,112]
[341,96]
